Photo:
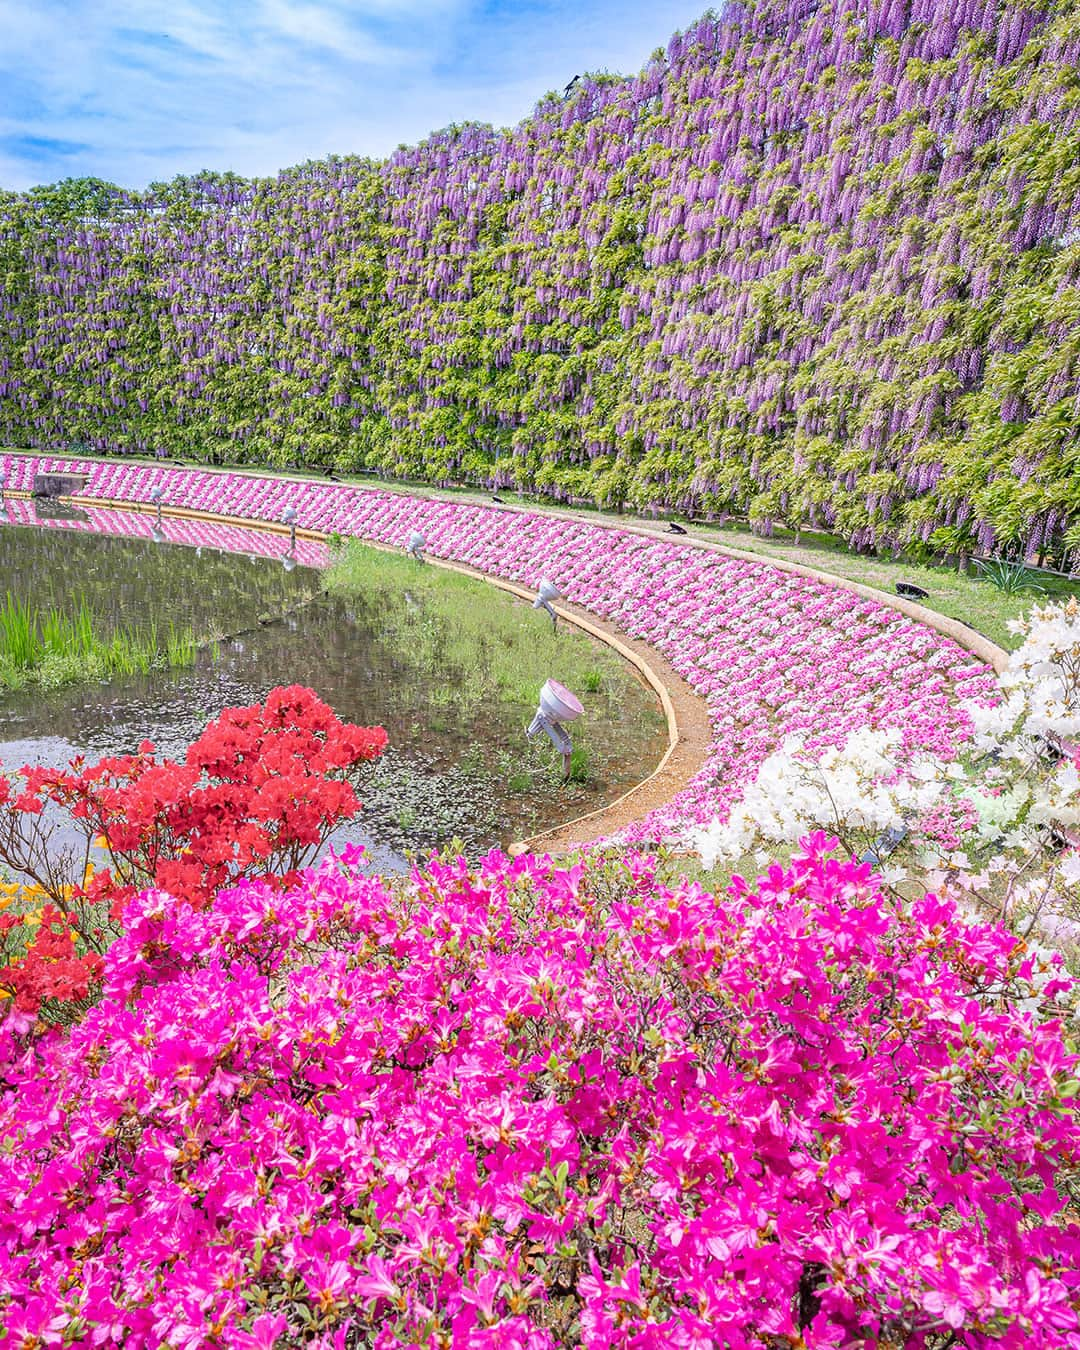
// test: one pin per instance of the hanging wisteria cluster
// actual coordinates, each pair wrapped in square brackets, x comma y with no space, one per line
[817,263]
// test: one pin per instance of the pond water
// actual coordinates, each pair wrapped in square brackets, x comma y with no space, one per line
[449,772]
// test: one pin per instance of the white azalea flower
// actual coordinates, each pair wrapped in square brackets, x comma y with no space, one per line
[1069,868]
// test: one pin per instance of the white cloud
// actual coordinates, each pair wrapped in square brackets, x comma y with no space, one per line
[320,26]
[140,90]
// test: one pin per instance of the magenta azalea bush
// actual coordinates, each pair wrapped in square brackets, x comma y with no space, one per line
[816,263]
[533,1106]
[774,653]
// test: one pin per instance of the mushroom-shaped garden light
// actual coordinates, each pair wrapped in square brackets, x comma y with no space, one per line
[546,592]
[557,707]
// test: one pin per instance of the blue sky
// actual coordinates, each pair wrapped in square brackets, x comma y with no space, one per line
[135,91]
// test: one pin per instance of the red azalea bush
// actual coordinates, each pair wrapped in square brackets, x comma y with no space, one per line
[532,1106]
[42,959]
[257,796]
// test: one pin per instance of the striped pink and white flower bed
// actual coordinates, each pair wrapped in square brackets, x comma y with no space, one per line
[772,653]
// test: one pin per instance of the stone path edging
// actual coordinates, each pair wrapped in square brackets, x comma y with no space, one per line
[969,638]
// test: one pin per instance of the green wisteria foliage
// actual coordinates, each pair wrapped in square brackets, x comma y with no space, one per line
[817,264]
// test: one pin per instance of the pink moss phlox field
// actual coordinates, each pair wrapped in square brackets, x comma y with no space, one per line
[772,652]
[529,1107]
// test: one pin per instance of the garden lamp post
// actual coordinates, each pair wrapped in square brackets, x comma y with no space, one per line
[547,592]
[288,517]
[557,707]
[885,844]
[417,544]
[157,495]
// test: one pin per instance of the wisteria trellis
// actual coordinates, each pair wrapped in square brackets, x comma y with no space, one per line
[772,653]
[818,263]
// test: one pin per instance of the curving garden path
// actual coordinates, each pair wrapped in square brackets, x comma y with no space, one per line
[770,649]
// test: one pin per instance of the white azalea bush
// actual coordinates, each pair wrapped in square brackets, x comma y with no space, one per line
[1002,822]
[1032,734]
[857,790]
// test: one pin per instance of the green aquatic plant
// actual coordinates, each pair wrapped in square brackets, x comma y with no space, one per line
[50,647]
[20,644]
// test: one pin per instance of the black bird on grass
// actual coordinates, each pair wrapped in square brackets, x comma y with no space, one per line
[674,529]
[911,591]
[496,498]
